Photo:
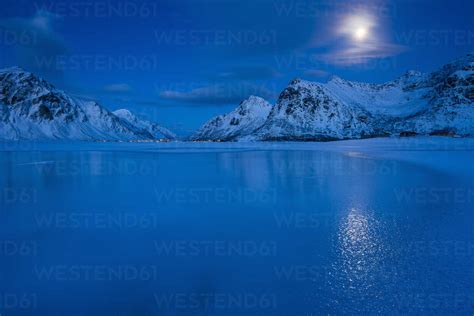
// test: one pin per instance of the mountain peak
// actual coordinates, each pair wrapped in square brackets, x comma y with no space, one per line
[253,99]
[464,63]
[411,73]
[242,121]
[301,83]
[415,103]
[295,81]
[13,69]
[17,76]
[409,76]
[33,109]
[336,79]
[123,113]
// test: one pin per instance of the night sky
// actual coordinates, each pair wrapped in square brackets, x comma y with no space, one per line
[180,62]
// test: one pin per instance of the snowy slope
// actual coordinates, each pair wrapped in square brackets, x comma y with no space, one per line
[310,111]
[440,103]
[451,101]
[389,99]
[31,108]
[236,125]
[157,131]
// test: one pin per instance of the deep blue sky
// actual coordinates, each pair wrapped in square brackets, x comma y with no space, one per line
[179,62]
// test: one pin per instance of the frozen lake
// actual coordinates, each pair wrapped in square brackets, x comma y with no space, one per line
[377,226]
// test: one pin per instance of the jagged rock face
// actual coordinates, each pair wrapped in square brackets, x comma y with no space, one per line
[31,108]
[30,97]
[451,101]
[245,120]
[309,111]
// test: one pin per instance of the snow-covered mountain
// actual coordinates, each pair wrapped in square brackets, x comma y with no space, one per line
[415,103]
[31,108]
[440,103]
[310,111]
[450,98]
[155,130]
[245,120]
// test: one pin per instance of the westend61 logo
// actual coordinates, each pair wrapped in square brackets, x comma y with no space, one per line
[96,273]
[304,220]
[332,8]
[15,248]
[18,195]
[302,273]
[339,166]
[214,195]
[216,301]
[102,9]
[10,302]
[98,220]
[18,37]
[452,248]
[98,62]
[434,302]
[434,195]
[436,38]
[216,37]
[304,62]
[98,167]
[218,248]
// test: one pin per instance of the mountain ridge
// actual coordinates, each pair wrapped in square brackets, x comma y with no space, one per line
[242,121]
[415,103]
[437,103]
[33,109]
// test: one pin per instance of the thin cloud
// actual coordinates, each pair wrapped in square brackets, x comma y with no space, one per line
[361,54]
[356,38]
[217,94]
[316,73]
[118,88]
[249,73]
[35,39]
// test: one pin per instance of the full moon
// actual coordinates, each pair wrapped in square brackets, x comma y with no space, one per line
[358,27]
[360,33]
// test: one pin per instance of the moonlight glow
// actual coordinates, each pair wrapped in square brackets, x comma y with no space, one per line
[358,27]
[360,33]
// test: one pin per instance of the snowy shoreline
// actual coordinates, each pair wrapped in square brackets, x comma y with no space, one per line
[431,143]
[442,153]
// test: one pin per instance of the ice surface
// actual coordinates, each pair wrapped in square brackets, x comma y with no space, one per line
[351,227]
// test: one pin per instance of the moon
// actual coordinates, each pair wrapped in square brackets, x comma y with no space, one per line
[361,33]
[358,27]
